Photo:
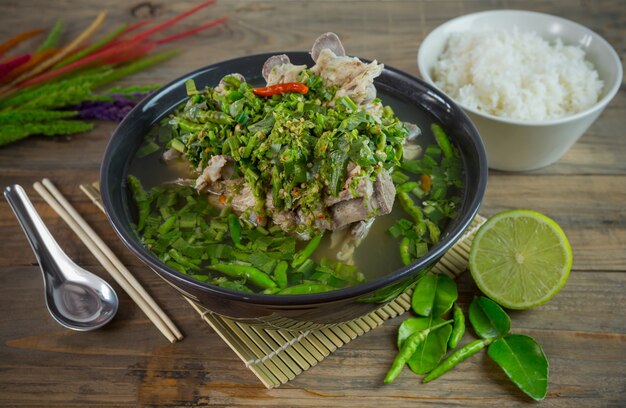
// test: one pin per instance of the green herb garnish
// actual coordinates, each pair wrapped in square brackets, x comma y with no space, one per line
[295,146]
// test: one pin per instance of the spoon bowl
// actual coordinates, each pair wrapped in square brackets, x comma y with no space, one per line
[76,298]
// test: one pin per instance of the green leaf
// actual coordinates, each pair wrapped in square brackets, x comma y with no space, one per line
[13,133]
[488,319]
[524,362]
[53,37]
[432,349]
[25,117]
[445,296]
[424,295]
[434,294]
[412,325]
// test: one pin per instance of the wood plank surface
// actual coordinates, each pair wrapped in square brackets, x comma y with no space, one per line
[129,363]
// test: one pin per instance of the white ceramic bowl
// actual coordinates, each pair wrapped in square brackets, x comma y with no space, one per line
[516,145]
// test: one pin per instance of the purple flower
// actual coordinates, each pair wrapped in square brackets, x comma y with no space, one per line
[113,110]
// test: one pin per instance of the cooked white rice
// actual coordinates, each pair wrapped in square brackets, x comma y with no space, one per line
[516,75]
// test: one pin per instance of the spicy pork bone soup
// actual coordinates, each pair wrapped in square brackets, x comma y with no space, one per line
[309,183]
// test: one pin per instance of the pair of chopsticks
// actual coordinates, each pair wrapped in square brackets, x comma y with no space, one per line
[109,261]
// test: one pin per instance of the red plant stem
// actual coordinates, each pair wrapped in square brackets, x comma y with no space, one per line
[192,31]
[34,61]
[10,65]
[135,26]
[14,41]
[118,48]
[120,39]
[145,34]
[119,58]
[91,59]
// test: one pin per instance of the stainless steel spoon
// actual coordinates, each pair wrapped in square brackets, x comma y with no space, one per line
[76,298]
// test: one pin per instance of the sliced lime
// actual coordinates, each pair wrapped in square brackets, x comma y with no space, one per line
[520,259]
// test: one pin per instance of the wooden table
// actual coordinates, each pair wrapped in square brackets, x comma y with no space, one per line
[129,363]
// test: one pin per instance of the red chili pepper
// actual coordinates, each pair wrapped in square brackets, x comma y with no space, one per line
[279,89]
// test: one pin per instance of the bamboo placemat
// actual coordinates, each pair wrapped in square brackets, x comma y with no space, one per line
[278,356]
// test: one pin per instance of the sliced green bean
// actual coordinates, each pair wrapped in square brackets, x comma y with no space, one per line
[406,187]
[399,177]
[220,118]
[188,127]
[167,225]
[280,274]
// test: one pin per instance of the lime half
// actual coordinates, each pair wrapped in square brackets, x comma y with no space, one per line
[520,259]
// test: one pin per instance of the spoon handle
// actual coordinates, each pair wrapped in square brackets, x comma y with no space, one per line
[46,249]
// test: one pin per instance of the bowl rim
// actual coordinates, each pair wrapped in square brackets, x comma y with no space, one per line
[599,105]
[397,275]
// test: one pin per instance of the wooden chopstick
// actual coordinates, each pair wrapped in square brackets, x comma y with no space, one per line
[109,261]
[94,195]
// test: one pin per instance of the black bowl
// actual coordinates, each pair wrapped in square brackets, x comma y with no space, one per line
[291,311]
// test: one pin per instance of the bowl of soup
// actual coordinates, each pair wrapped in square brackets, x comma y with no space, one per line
[274,204]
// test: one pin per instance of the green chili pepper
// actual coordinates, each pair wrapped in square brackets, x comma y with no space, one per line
[442,140]
[457,357]
[408,348]
[410,207]
[405,253]
[458,328]
[434,346]
[141,199]
[433,231]
[251,273]
[307,251]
